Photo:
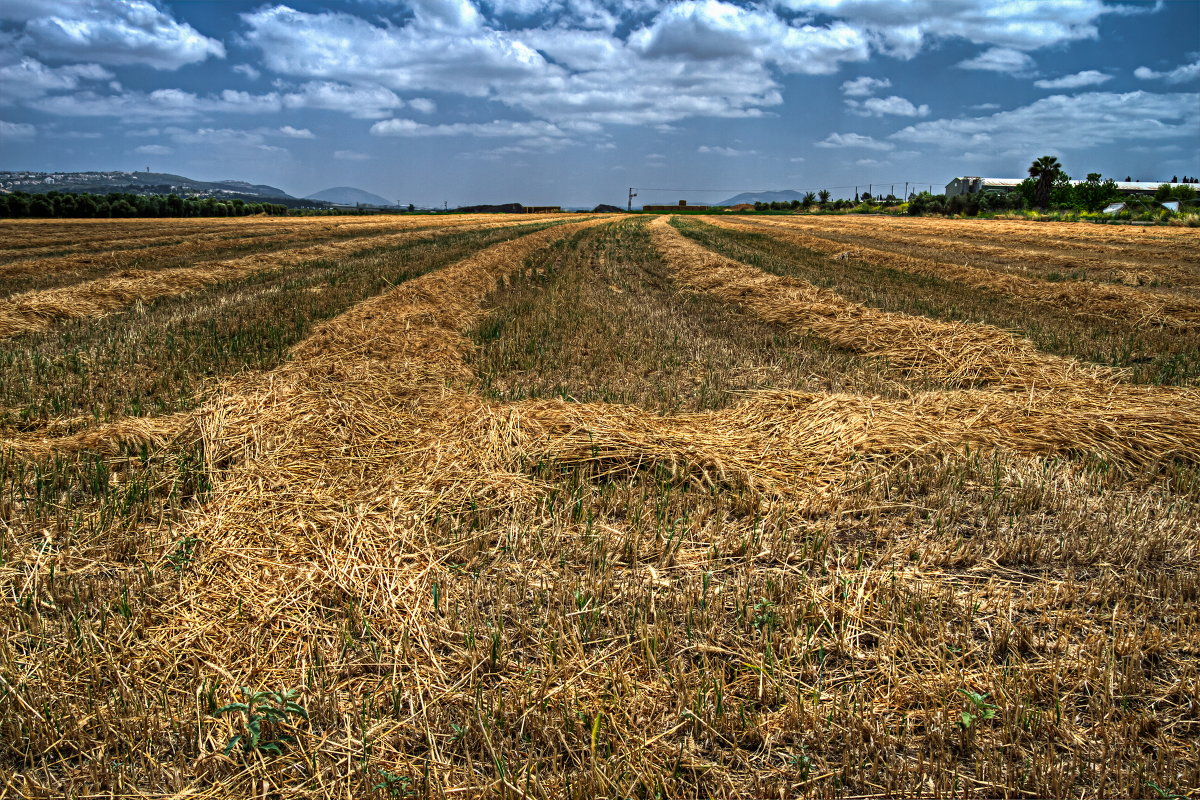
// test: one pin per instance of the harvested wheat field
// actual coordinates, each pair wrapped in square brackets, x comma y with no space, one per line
[596,506]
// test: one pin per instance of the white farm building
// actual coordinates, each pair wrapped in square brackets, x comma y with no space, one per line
[976,185]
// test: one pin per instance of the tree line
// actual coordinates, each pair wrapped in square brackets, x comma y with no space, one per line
[124,204]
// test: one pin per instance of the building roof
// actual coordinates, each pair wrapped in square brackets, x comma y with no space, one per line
[1124,186]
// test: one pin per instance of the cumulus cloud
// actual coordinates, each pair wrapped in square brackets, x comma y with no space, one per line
[247,70]
[1086,120]
[160,104]
[854,140]
[724,151]
[350,155]
[864,87]
[13,131]
[901,27]
[694,59]
[495,128]
[1089,77]
[1000,59]
[296,133]
[423,105]
[118,33]
[883,106]
[226,139]
[153,150]
[27,78]
[362,102]
[1181,74]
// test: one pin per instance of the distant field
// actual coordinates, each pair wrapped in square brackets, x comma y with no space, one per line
[599,506]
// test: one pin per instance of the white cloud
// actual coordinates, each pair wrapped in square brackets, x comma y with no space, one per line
[724,151]
[126,32]
[854,140]
[423,105]
[350,155]
[863,87]
[901,26]
[362,102]
[699,58]
[343,47]
[498,128]
[1181,74]
[226,139]
[1084,120]
[247,70]
[160,104]
[881,106]
[1000,59]
[1089,77]
[28,78]
[296,133]
[153,150]
[867,162]
[12,131]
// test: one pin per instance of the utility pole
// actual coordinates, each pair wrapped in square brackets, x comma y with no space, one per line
[906,190]
[632,194]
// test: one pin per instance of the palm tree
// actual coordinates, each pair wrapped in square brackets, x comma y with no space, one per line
[809,199]
[1046,169]
[824,195]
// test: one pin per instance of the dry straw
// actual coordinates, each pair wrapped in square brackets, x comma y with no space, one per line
[109,439]
[1081,297]
[39,310]
[362,492]
[1131,261]
[128,248]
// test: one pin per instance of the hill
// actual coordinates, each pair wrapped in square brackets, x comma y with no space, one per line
[135,183]
[782,195]
[350,196]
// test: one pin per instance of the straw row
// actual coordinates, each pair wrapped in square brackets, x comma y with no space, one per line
[323,467]
[24,235]
[109,438]
[39,310]
[1130,265]
[956,353]
[114,256]
[1092,299]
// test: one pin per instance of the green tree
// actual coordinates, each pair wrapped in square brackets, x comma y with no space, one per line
[1094,194]
[1046,169]
[808,199]
[824,196]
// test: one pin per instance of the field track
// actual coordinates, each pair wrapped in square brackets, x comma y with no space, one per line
[1086,298]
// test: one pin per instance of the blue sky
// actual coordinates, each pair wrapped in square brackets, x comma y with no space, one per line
[571,101]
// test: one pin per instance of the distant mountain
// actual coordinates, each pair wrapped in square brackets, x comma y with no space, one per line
[349,196]
[783,195]
[135,183]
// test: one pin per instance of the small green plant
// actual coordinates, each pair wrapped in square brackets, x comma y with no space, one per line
[764,615]
[183,554]
[980,709]
[267,720]
[395,785]
[1164,794]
